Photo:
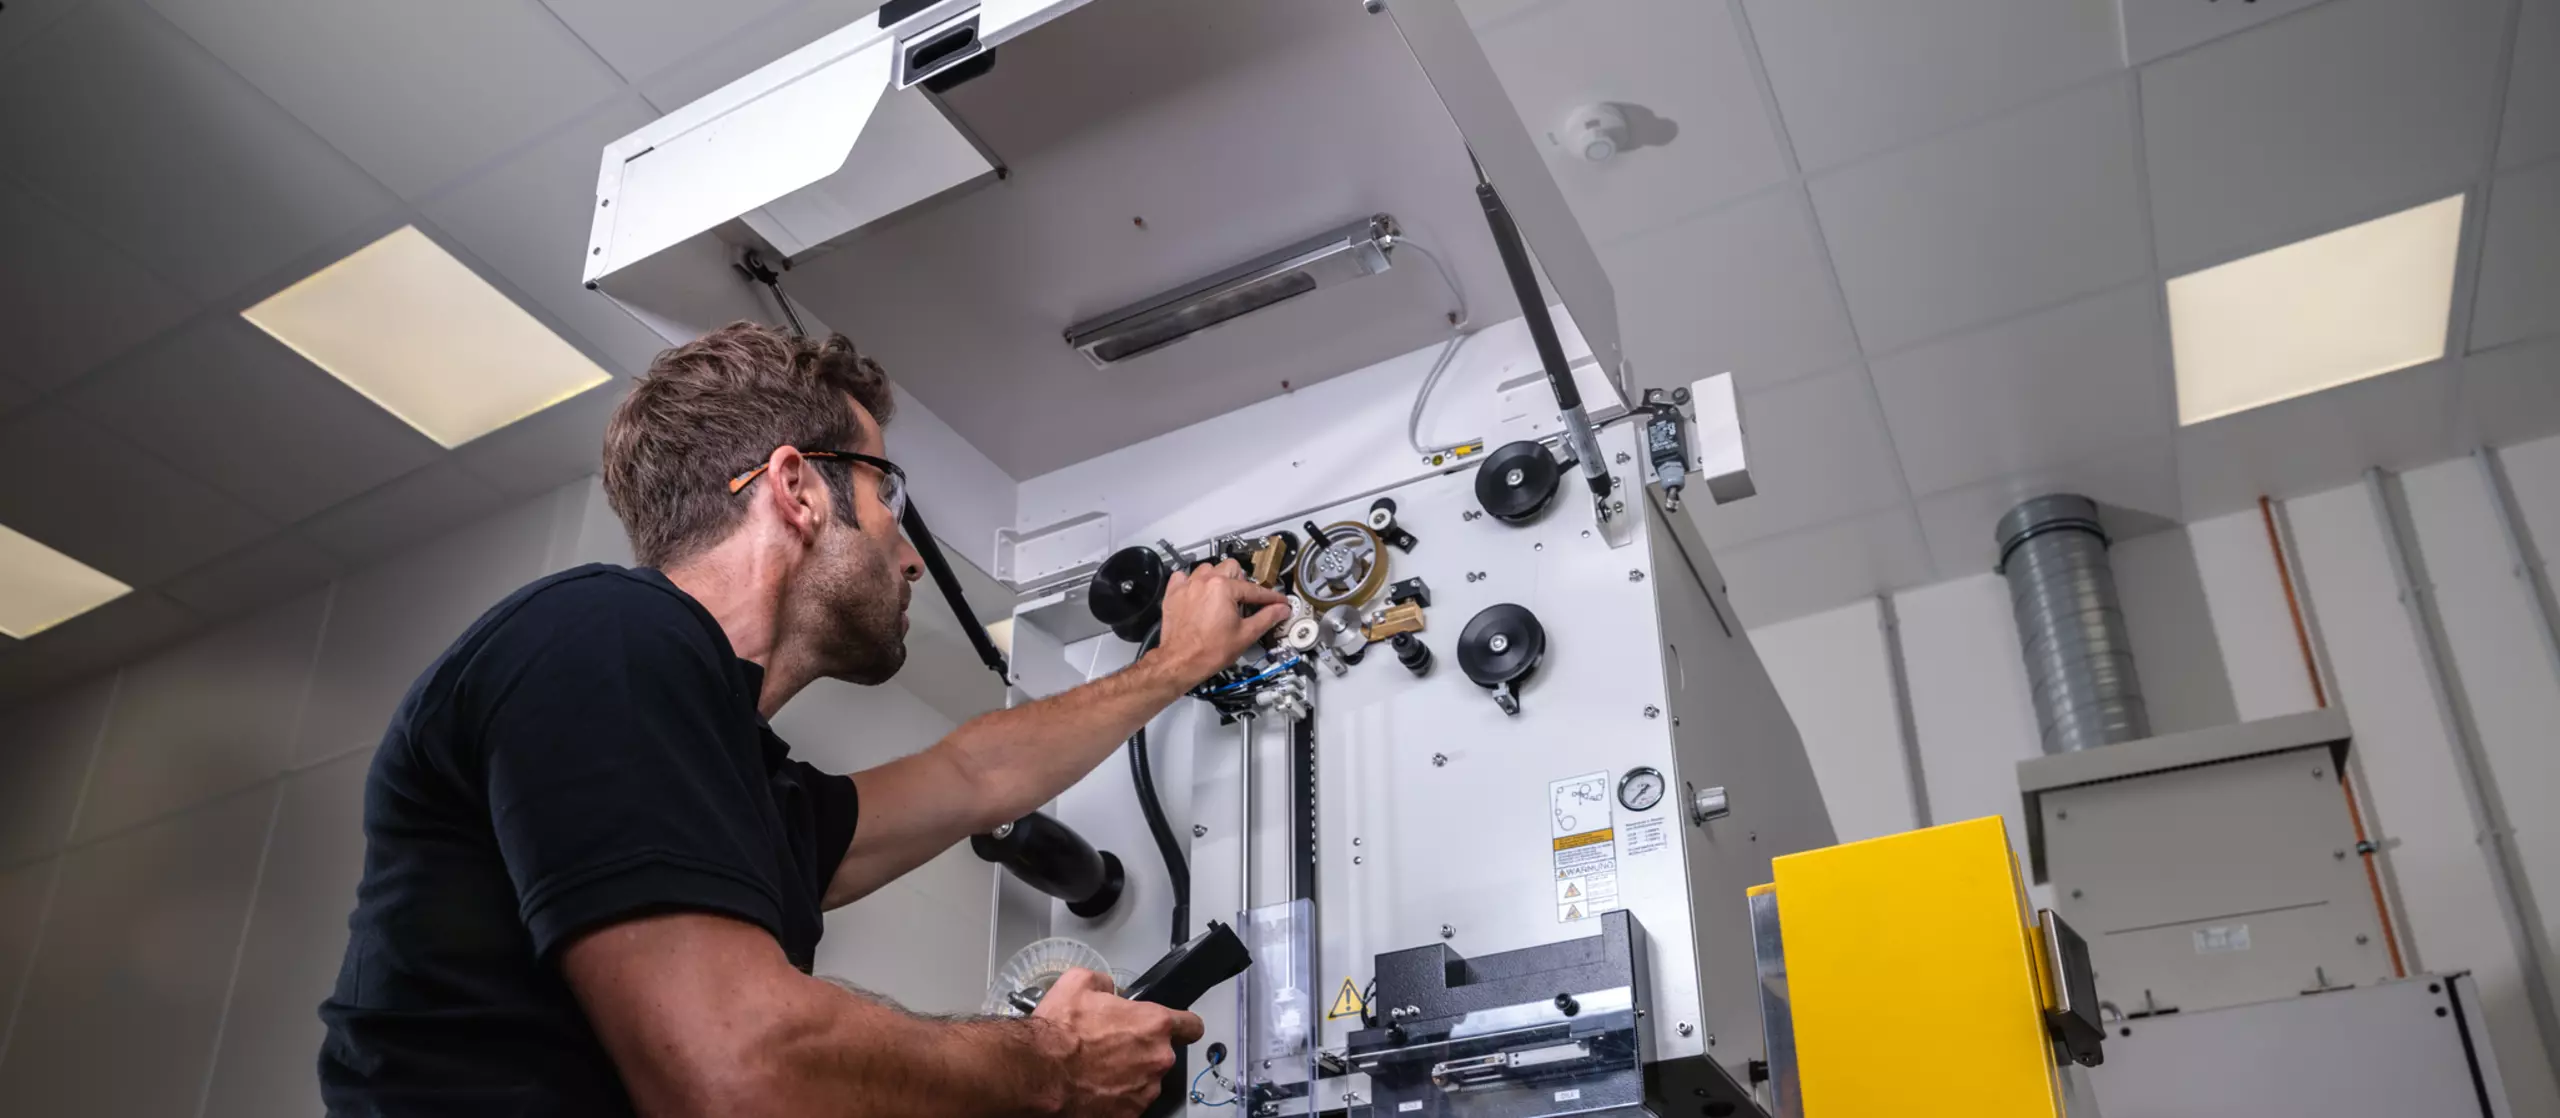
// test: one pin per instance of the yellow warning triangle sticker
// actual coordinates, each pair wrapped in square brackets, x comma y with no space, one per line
[1571,891]
[1574,913]
[1346,1003]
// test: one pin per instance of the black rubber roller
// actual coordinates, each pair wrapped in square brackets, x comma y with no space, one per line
[1516,481]
[1128,592]
[1500,649]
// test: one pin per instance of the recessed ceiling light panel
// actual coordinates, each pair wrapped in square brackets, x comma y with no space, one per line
[2318,313]
[415,331]
[41,588]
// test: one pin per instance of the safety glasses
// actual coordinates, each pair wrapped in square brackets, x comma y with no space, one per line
[893,481]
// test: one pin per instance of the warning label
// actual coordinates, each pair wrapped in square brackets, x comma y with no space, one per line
[1585,846]
[1346,1003]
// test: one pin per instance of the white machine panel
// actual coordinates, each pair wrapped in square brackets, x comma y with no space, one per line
[2415,1048]
[1443,820]
[2215,885]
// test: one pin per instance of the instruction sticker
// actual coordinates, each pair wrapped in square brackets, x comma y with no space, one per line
[1585,846]
[1646,835]
[2222,939]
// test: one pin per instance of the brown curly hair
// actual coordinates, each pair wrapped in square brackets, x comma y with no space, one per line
[713,408]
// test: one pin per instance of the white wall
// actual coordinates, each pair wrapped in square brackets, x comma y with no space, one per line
[180,838]
[2215,643]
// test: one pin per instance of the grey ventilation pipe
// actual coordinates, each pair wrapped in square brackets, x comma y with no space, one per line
[2070,624]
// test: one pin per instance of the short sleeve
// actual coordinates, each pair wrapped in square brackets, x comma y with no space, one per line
[618,783]
[835,808]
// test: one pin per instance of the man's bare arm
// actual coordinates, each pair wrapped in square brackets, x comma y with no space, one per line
[1003,764]
[702,1015]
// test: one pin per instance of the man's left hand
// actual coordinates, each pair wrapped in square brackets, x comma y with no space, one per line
[1206,622]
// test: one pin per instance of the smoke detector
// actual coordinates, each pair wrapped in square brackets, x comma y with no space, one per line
[1597,132]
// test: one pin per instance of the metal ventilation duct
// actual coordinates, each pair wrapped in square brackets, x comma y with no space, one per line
[2070,624]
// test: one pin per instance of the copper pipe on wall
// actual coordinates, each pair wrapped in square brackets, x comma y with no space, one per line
[2320,697]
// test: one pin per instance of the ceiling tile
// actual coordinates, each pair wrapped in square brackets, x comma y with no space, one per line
[51,742]
[527,219]
[91,643]
[205,181]
[244,414]
[2022,211]
[1698,131]
[1818,453]
[1744,289]
[2342,112]
[2153,28]
[2030,393]
[2512,394]
[415,507]
[1816,568]
[2319,441]
[547,448]
[641,37]
[2519,293]
[2136,488]
[2532,129]
[416,94]
[718,64]
[1856,76]
[73,300]
[254,577]
[110,504]
[1485,15]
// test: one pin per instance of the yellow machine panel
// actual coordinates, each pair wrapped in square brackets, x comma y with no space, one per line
[1916,978]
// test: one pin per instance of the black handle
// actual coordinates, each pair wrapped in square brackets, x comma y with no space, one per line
[1051,857]
[1176,981]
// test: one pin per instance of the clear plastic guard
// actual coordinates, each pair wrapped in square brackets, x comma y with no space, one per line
[1589,1065]
[1276,1010]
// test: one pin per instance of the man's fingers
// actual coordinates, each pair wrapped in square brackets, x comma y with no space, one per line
[1174,582]
[1186,1027]
[1266,617]
[1080,980]
[1230,568]
[1254,593]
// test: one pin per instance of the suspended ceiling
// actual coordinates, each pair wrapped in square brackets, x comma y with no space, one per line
[1929,238]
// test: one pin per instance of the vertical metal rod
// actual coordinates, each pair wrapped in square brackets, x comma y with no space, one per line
[2526,564]
[2471,766]
[1905,718]
[1244,815]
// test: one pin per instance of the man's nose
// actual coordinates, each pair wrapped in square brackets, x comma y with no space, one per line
[911,563]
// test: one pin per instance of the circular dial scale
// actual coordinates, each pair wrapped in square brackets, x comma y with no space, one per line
[1640,789]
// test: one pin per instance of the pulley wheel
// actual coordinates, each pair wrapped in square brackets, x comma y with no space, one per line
[1500,648]
[1516,481]
[1127,592]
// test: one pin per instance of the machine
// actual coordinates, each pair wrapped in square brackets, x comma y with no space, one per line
[1470,834]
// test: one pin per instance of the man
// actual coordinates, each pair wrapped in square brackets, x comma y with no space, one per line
[594,877]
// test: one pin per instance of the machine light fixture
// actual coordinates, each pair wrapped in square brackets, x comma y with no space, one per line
[2318,313]
[1362,248]
[417,332]
[41,588]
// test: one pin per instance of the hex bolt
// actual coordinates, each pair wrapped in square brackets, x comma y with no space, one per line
[1567,1006]
[2318,773]
[1199,830]
[1624,458]
[1512,478]
[2362,939]
[2340,855]
[1447,932]
[1635,576]
[1355,859]
[1501,642]
[2075,894]
[1652,711]
[1684,1028]
[1439,759]
[2062,815]
[1355,840]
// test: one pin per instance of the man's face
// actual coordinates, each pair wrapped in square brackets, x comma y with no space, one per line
[859,579]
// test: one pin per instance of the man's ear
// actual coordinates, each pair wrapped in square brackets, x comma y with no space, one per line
[796,493]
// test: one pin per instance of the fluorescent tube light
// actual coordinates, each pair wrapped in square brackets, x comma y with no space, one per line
[41,588]
[2318,313]
[1358,249]
[418,333]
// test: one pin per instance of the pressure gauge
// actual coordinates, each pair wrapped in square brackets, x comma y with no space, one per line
[1640,789]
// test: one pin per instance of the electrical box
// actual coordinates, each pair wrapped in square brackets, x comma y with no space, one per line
[2212,868]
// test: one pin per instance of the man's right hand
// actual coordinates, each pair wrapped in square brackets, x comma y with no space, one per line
[1206,620]
[1112,1052]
